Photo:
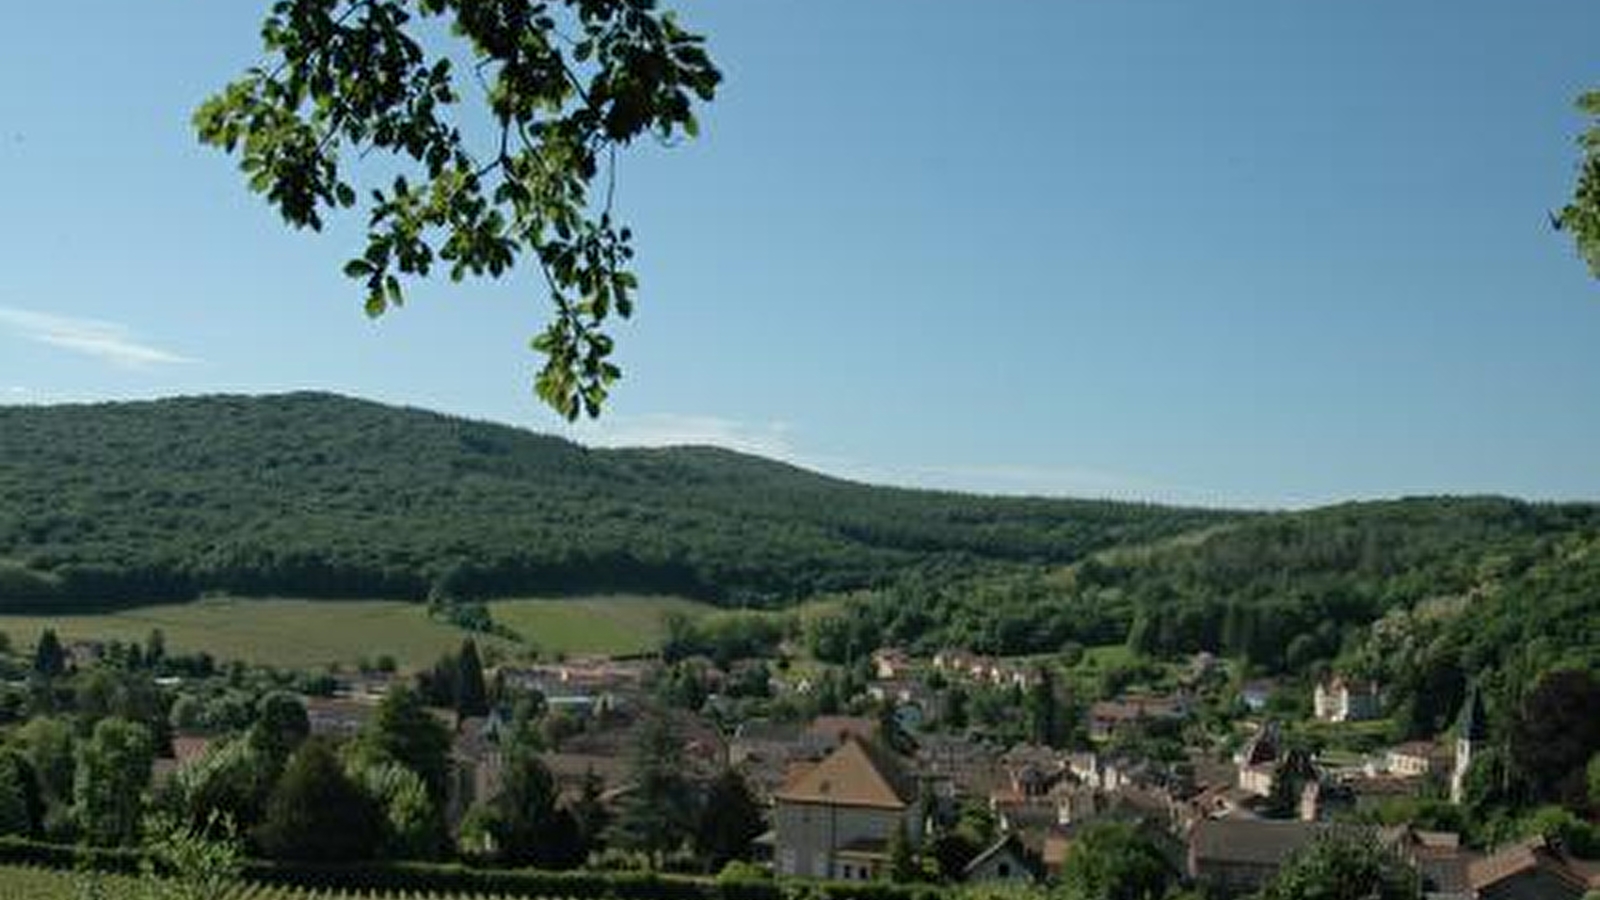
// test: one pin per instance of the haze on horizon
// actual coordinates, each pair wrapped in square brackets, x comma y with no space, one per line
[1271,258]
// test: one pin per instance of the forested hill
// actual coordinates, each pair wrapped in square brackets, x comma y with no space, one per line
[320,495]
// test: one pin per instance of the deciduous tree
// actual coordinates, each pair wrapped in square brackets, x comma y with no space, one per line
[1115,861]
[113,768]
[1554,734]
[1344,866]
[317,813]
[402,730]
[281,725]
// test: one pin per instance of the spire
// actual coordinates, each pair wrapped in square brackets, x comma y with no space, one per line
[1473,724]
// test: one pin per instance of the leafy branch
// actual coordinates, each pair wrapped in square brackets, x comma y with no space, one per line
[567,82]
[1581,217]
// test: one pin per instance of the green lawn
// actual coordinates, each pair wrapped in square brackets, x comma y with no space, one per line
[1107,656]
[314,633]
[606,625]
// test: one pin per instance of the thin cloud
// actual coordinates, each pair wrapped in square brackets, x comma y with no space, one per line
[1062,481]
[106,341]
[770,439]
[776,440]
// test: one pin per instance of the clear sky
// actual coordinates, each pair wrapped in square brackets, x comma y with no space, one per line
[1244,252]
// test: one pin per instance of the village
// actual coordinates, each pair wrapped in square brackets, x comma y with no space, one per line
[1218,770]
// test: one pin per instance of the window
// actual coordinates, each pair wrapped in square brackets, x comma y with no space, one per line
[1005,869]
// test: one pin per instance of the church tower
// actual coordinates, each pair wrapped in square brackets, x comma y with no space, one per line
[1471,731]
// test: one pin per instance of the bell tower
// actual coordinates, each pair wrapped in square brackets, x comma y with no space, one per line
[1471,731]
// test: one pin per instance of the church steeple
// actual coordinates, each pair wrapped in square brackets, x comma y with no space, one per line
[1472,729]
[1474,725]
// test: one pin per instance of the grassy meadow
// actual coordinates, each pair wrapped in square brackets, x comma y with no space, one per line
[607,625]
[294,633]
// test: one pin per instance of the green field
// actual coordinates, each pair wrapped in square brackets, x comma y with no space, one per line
[592,625]
[313,633]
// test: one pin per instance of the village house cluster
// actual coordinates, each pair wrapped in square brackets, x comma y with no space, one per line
[840,792]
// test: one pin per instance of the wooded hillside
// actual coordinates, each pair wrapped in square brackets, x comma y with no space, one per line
[324,496]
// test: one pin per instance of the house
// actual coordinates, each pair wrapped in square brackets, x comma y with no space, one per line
[969,768]
[580,677]
[1054,854]
[337,717]
[835,819]
[1107,717]
[186,751]
[955,662]
[1416,759]
[827,733]
[1341,699]
[570,770]
[1032,769]
[1258,761]
[761,739]
[1372,792]
[1531,870]
[891,664]
[84,654]
[477,763]
[902,691]
[1084,766]
[1235,856]
[1025,815]
[913,704]
[1443,864]
[1202,665]
[1006,860]
[960,664]
[368,687]
[1255,694]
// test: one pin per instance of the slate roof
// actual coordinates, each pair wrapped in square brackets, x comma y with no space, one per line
[1518,859]
[1008,842]
[1263,842]
[1262,746]
[858,773]
[762,731]
[841,727]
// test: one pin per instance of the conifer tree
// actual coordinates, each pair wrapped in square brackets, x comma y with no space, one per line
[472,698]
[49,658]
[729,820]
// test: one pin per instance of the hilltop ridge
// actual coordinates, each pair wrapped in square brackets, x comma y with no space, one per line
[316,494]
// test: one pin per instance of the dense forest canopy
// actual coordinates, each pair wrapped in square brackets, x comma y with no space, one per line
[323,496]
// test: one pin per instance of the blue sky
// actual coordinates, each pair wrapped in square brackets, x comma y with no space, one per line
[1252,253]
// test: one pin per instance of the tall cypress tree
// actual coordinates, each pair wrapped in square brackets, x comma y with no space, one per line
[1044,712]
[49,658]
[472,698]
